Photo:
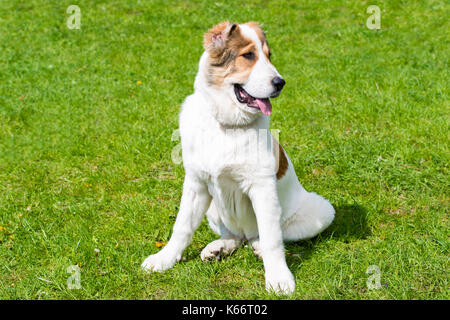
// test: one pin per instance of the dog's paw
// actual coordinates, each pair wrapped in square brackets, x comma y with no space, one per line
[219,248]
[282,283]
[158,262]
[211,252]
[255,247]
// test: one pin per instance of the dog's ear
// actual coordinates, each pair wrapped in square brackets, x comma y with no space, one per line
[216,38]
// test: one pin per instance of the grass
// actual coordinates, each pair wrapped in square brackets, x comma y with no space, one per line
[87,116]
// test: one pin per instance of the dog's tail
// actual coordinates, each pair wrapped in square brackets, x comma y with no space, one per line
[314,215]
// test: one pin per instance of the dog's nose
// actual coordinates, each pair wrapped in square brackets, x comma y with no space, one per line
[278,83]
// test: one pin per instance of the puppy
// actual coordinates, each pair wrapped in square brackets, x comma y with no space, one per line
[236,172]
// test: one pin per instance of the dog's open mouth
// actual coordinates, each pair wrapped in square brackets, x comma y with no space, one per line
[262,104]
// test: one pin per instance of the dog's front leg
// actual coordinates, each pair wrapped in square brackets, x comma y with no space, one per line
[268,214]
[194,203]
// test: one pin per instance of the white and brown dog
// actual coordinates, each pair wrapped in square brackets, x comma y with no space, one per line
[236,172]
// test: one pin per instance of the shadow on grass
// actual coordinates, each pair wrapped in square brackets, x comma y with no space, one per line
[350,223]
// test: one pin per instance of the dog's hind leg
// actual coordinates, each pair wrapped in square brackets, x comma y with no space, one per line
[227,242]
[314,215]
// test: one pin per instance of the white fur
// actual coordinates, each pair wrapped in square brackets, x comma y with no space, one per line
[235,186]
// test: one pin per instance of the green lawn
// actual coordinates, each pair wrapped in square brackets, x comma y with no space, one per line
[86,121]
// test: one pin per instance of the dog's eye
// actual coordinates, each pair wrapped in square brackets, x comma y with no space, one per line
[249,55]
[270,55]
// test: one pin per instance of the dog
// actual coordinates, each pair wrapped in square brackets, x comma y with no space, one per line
[235,171]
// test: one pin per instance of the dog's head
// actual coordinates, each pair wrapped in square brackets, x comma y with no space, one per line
[236,67]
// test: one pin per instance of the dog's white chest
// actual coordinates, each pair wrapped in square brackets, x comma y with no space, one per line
[220,151]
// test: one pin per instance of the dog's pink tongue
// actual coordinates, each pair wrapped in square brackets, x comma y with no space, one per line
[264,105]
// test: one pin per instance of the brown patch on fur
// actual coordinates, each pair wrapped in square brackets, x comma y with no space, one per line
[225,45]
[242,67]
[282,163]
